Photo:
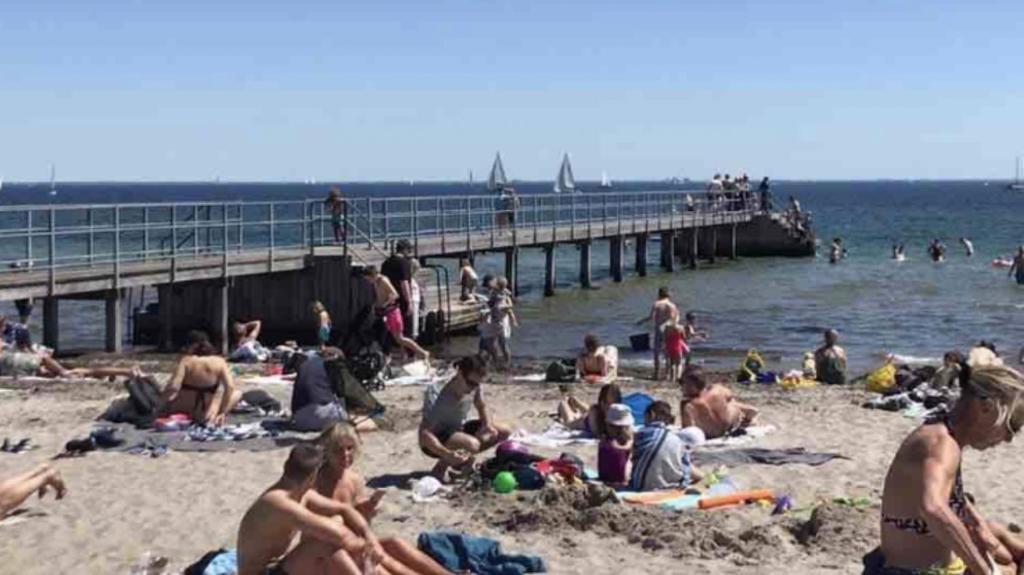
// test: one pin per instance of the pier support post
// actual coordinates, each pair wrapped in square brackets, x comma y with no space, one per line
[549,270]
[732,244]
[114,321]
[220,315]
[165,296]
[615,245]
[512,269]
[51,322]
[641,255]
[713,232]
[585,275]
[668,251]
[694,247]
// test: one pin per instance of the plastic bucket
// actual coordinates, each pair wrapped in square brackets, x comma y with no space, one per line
[640,342]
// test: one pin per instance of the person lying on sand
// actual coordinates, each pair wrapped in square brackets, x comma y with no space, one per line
[445,434]
[661,458]
[201,385]
[338,481]
[929,523]
[711,407]
[289,507]
[15,490]
[573,414]
[22,360]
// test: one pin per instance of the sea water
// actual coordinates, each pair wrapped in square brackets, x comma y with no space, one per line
[917,309]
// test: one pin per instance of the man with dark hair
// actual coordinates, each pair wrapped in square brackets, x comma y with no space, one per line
[711,406]
[398,269]
[661,458]
[289,507]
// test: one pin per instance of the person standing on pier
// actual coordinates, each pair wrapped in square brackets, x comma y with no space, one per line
[766,195]
[662,311]
[335,205]
[398,270]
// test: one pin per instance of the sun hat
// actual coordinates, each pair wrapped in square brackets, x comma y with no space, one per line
[620,414]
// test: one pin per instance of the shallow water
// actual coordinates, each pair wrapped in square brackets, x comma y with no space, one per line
[780,306]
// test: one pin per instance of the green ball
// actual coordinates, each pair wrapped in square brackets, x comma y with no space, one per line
[504,482]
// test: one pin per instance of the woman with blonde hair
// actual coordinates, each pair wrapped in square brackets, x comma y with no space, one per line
[338,481]
[323,334]
[928,523]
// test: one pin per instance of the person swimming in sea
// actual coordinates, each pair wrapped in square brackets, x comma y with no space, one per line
[937,251]
[1017,267]
[898,252]
[837,251]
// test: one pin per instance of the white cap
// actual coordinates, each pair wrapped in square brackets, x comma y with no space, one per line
[620,414]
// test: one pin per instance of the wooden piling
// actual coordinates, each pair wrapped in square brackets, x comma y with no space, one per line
[615,248]
[114,321]
[51,322]
[641,255]
[549,270]
[585,269]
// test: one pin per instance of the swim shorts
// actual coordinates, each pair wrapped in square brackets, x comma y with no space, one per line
[394,322]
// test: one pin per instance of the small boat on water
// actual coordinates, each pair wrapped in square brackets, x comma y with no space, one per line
[497,181]
[606,182]
[565,182]
[1017,185]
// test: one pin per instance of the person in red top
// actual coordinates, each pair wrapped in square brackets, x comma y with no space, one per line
[675,348]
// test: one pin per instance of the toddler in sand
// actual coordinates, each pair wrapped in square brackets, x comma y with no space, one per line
[616,447]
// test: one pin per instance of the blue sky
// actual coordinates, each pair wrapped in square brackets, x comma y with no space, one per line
[186,90]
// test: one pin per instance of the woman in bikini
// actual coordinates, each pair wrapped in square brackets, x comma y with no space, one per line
[201,386]
[593,420]
[595,365]
[928,523]
[338,481]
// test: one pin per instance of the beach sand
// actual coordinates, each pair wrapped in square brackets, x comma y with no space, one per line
[121,507]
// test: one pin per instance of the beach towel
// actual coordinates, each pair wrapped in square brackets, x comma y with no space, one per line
[678,499]
[748,435]
[638,404]
[756,455]
[458,552]
[554,437]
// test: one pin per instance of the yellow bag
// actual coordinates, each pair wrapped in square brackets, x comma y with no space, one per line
[882,379]
[793,383]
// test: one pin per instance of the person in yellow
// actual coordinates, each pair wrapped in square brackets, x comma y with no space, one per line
[928,525]
[751,367]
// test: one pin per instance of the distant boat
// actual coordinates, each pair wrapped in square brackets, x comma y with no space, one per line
[496,182]
[565,182]
[606,182]
[1017,185]
[53,180]
[471,177]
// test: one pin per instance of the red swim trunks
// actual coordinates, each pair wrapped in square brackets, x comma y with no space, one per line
[393,321]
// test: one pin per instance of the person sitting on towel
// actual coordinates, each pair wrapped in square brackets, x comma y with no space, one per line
[445,433]
[315,406]
[290,507]
[598,363]
[574,414]
[338,480]
[202,385]
[615,448]
[830,360]
[711,407]
[661,457]
[247,344]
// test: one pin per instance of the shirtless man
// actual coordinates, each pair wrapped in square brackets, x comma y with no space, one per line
[830,360]
[1017,268]
[290,507]
[712,407]
[387,306]
[662,311]
[201,385]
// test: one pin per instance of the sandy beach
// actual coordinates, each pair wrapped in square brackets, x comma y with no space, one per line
[122,507]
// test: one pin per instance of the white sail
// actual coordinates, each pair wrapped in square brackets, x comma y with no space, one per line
[565,181]
[53,180]
[497,180]
[606,182]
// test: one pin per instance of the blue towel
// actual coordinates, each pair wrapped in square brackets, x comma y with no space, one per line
[224,564]
[638,404]
[458,552]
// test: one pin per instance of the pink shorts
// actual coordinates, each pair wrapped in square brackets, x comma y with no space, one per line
[393,321]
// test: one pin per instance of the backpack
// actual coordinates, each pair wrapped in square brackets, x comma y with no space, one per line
[144,393]
[561,371]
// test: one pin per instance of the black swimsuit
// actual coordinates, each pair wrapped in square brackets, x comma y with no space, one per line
[957,502]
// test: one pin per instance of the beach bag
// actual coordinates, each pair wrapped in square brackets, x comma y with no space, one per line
[882,379]
[561,371]
[144,393]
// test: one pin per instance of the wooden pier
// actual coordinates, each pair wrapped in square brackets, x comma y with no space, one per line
[215,262]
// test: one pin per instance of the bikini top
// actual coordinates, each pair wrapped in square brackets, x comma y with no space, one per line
[957,502]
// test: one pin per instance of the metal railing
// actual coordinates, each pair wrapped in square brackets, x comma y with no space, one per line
[54,237]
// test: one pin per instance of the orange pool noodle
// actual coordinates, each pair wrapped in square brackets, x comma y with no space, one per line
[736,498]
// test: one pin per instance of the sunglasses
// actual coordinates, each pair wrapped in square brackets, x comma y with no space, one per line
[965,382]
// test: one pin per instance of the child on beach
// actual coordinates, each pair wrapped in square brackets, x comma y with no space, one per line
[675,348]
[691,332]
[661,458]
[323,334]
[615,448]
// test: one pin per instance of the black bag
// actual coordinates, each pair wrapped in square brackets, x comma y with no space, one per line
[561,371]
[144,393]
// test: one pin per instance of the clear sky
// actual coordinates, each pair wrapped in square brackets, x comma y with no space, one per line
[429,89]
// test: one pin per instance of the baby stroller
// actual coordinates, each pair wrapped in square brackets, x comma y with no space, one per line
[365,351]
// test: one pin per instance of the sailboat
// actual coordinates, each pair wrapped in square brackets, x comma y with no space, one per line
[565,181]
[497,181]
[606,182]
[1017,185]
[53,180]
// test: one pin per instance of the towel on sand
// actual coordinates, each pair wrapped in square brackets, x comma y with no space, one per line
[459,552]
[554,437]
[734,457]
[678,499]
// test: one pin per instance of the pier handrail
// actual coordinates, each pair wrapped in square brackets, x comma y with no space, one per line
[63,236]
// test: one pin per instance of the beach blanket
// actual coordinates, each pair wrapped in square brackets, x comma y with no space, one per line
[250,435]
[756,455]
[459,553]
[554,437]
[678,499]
[750,434]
